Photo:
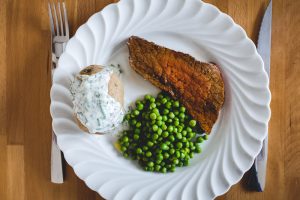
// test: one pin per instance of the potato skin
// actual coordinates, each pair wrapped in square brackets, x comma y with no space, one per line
[115,89]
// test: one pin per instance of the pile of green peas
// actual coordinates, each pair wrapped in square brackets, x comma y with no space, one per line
[161,135]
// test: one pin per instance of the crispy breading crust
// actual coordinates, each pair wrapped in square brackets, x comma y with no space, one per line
[197,85]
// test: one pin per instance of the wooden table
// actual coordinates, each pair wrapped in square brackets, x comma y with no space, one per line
[25,122]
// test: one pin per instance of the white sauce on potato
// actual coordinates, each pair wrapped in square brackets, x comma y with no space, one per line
[93,106]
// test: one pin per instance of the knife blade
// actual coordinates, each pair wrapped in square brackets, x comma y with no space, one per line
[258,170]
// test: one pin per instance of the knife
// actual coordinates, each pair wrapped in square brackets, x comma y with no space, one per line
[258,170]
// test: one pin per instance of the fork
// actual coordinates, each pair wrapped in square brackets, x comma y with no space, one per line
[60,32]
[59,38]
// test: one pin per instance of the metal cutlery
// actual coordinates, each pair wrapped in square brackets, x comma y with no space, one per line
[258,170]
[59,37]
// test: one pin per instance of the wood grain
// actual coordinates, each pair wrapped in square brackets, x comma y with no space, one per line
[25,122]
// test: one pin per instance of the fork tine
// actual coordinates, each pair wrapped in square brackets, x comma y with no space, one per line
[51,19]
[56,21]
[66,20]
[60,19]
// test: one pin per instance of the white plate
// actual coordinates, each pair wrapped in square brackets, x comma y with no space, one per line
[190,26]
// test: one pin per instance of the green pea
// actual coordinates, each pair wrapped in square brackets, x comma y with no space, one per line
[145,148]
[133,122]
[177,153]
[186,162]
[164,118]
[170,120]
[159,131]
[179,145]
[193,134]
[148,96]
[168,166]
[159,123]
[159,118]
[175,130]
[165,134]
[176,123]
[179,136]
[126,144]
[192,123]
[176,113]
[184,139]
[152,116]
[180,164]
[125,155]
[172,151]
[164,127]
[127,117]
[164,101]
[140,106]
[184,132]
[139,151]
[182,155]
[198,149]
[160,157]
[182,109]
[172,169]
[166,111]
[154,136]
[123,148]
[171,138]
[171,115]
[138,124]
[199,139]
[156,111]
[157,168]
[168,105]
[148,154]
[164,170]
[158,161]
[175,161]
[152,99]
[164,146]
[181,115]
[136,136]
[170,129]
[152,105]
[125,139]
[137,131]
[150,144]
[155,127]
[166,155]
[176,104]
[150,164]
[188,129]
[187,150]
[205,137]
[191,154]
[136,112]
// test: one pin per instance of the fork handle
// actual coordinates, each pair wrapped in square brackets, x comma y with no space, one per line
[56,162]
[59,49]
